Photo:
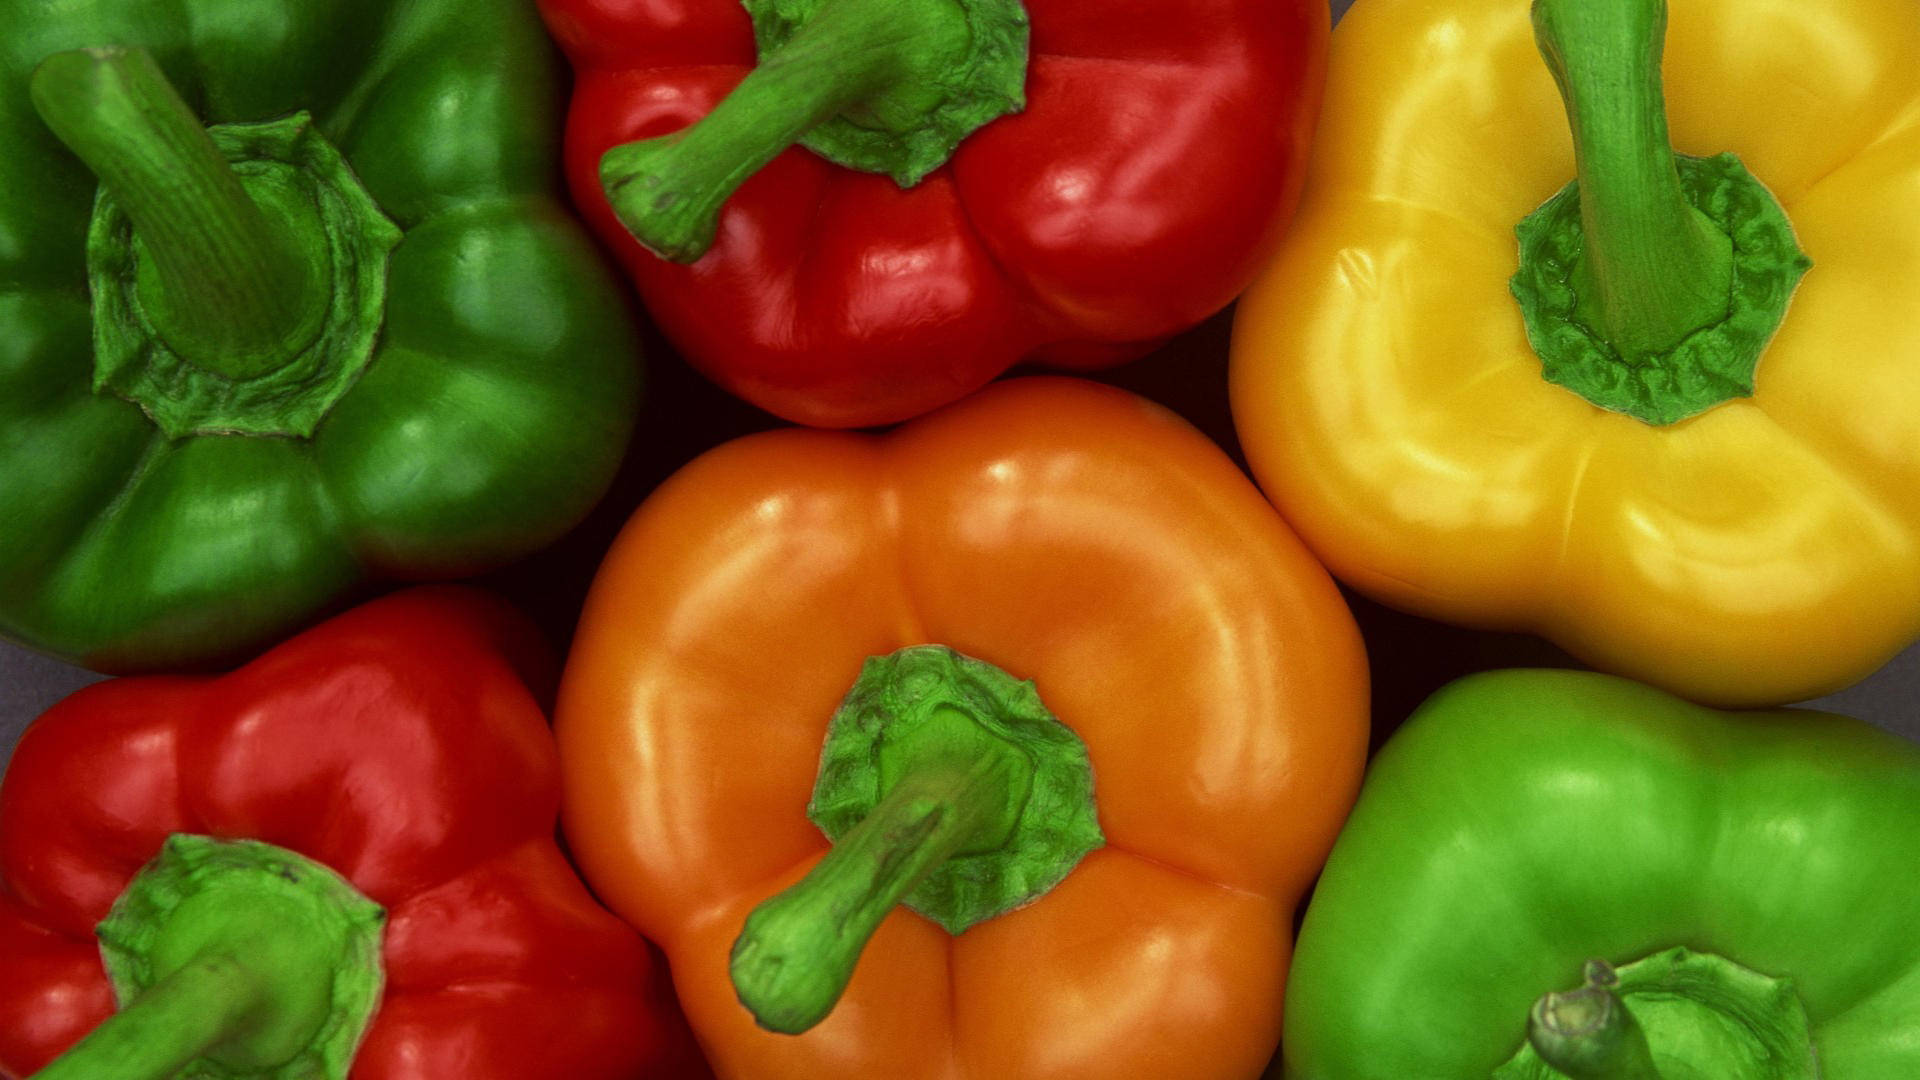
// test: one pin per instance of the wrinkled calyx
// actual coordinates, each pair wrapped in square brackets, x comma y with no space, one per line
[1673,1015]
[233,959]
[238,272]
[886,86]
[1653,282]
[946,785]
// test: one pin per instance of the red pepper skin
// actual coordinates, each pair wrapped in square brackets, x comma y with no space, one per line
[403,745]
[1158,158]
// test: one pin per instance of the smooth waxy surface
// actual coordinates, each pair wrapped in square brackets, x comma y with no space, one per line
[1523,823]
[402,745]
[1067,533]
[1135,195]
[494,410]
[1765,551]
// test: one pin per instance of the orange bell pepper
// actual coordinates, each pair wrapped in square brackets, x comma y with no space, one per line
[1067,533]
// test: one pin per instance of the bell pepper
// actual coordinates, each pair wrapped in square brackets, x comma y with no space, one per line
[919,240]
[350,841]
[1105,717]
[1569,435]
[289,301]
[1556,874]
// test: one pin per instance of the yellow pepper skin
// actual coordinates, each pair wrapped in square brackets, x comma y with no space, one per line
[1766,550]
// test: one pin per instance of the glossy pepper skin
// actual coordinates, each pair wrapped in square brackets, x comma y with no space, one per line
[401,744]
[1523,823]
[1137,193]
[1066,532]
[502,380]
[1766,550]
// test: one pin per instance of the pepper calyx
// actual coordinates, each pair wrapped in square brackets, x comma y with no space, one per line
[944,785]
[299,943]
[886,86]
[868,747]
[908,131]
[302,182]
[1676,1013]
[1714,364]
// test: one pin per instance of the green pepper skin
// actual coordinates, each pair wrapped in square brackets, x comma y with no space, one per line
[495,410]
[1524,822]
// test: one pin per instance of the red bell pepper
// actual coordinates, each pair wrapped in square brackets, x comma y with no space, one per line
[1154,154]
[398,759]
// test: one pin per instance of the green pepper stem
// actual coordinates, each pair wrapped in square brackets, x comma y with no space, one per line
[238,955]
[884,55]
[260,977]
[960,791]
[1654,269]
[1588,1034]
[191,1011]
[232,292]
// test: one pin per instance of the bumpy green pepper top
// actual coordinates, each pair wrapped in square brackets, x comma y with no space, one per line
[1736,892]
[388,353]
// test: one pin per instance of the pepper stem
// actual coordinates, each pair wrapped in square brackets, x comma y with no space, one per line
[1654,269]
[232,293]
[213,999]
[887,86]
[236,955]
[1588,1034]
[960,791]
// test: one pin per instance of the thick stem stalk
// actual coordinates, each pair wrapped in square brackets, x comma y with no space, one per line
[1588,1034]
[232,290]
[797,951]
[884,54]
[204,1003]
[1655,269]
[244,957]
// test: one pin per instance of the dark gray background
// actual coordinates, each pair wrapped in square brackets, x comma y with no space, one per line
[1410,657]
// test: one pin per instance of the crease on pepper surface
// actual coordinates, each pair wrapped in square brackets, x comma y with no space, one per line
[1523,823]
[402,745]
[481,445]
[1046,527]
[1396,412]
[1049,237]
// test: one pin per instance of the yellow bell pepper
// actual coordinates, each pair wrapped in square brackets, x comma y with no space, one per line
[1755,550]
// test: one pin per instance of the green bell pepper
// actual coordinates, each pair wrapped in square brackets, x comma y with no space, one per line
[1738,888]
[289,301]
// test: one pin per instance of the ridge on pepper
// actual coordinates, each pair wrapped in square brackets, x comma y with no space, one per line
[1090,716]
[881,205]
[289,302]
[350,865]
[1607,433]
[1556,874]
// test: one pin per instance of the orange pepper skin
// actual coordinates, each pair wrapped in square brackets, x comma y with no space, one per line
[1070,533]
